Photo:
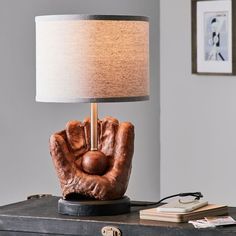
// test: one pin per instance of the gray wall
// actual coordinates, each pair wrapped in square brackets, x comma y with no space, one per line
[198,116]
[25,164]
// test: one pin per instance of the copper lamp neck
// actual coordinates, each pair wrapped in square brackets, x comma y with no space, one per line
[94,127]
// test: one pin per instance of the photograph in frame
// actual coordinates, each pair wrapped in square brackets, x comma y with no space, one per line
[216,36]
[212,37]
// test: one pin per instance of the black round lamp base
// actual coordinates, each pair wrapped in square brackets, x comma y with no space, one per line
[94,207]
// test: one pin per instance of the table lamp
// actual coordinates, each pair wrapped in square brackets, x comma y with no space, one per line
[92,58]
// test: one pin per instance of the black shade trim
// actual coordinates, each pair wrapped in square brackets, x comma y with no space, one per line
[95,100]
[91,17]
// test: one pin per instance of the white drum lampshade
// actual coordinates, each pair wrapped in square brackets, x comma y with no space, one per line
[91,58]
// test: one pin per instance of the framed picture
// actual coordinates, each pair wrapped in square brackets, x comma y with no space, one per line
[213,37]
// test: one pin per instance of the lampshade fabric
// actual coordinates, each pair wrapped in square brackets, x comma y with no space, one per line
[81,58]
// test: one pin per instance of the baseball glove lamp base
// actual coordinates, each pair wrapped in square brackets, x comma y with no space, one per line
[93,162]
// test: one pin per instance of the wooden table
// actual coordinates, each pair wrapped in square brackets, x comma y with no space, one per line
[40,217]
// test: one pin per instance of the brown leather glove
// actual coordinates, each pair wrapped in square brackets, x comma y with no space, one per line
[116,141]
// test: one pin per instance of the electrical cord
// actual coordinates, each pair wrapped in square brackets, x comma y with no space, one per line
[197,196]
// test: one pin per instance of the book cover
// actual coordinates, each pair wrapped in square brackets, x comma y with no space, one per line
[209,210]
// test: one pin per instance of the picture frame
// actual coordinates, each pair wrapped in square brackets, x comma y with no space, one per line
[213,37]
